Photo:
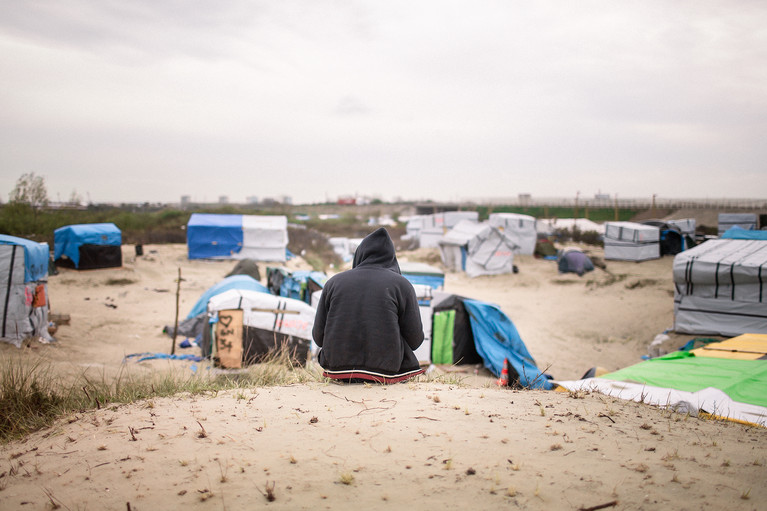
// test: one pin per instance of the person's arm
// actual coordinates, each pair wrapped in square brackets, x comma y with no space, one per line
[318,330]
[410,325]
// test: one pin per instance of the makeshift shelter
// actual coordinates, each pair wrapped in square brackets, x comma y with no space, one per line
[247,326]
[477,249]
[672,240]
[748,221]
[24,284]
[685,225]
[261,238]
[572,260]
[630,241]
[520,229]
[193,324]
[469,331]
[88,246]
[299,284]
[719,288]
[725,380]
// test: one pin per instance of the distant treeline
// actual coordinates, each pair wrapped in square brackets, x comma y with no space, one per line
[168,225]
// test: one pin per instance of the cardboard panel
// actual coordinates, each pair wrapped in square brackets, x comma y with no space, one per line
[229,338]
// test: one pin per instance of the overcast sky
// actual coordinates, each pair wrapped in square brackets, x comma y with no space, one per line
[149,100]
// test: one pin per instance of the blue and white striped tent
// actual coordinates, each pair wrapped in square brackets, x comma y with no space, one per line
[262,238]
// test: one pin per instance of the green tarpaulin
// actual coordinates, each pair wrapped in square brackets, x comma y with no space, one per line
[442,337]
[743,380]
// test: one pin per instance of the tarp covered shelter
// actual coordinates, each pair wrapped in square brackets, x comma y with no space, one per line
[269,323]
[257,237]
[467,331]
[719,288]
[521,229]
[726,380]
[630,241]
[192,326]
[672,240]
[88,246]
[241,282]
[23,289]
[477,249]
[748,221]
[298,284]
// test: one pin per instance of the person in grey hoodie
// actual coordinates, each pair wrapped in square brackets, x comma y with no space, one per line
[367,323]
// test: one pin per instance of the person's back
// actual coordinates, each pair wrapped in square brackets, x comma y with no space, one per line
[368,322]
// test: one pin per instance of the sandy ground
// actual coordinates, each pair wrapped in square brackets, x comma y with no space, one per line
[420,444]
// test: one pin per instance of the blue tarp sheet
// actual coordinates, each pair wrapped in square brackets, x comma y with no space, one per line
[210,235]
[496,338]
[35,257]
[67,240]
[739,233]
[234,282]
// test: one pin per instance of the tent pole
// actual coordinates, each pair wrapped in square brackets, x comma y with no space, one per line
[175,328]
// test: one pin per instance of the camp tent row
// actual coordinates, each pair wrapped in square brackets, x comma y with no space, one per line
[427,230]
[457,330]
[23,290]
[215,236]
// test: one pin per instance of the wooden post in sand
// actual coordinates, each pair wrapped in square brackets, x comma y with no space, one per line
[175,328]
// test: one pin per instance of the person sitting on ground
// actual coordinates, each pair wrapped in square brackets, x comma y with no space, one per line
[368,323]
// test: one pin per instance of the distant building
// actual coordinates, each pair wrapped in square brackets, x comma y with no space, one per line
[524,198]
[347,201]
[252,199]
[223,199]
[185,200]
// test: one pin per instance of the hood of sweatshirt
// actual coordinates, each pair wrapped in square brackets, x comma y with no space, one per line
[376,250]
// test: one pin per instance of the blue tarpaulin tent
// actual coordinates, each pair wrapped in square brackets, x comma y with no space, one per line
[261,238]
[496,338]
[88,245]
[35,256]
[24,295]
[243,282]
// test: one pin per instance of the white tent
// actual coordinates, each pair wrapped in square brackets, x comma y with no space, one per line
[719,288]
[521,229]
[477,249]
[748,221]
[629,241]
[427,230]
[551,225]
[685,225]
